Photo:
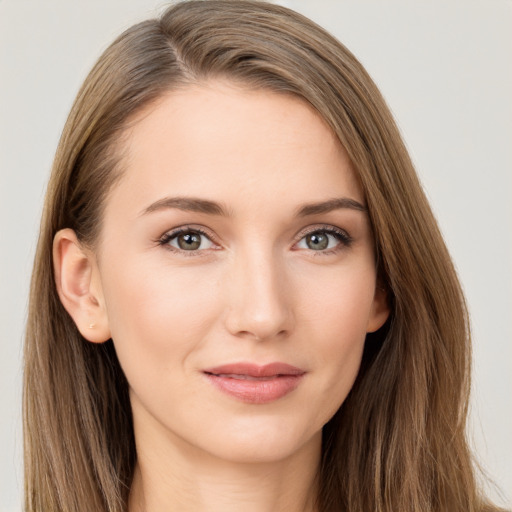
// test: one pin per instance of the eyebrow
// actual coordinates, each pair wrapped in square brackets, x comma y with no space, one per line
[194,204]
[190,204]
[330,205]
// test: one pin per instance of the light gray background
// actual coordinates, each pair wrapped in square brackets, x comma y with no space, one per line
[444,67]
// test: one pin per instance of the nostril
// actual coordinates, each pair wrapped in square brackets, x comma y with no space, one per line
[259,307]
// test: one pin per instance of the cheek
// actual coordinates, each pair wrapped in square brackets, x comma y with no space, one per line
[340,303]
[338,315]
[158,315]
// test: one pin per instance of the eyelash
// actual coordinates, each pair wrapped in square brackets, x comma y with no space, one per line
[344,239]
[167,237]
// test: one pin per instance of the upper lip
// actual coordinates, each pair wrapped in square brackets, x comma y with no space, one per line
[255,370]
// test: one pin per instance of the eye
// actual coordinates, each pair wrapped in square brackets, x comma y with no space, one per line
[324,240]
[187,240]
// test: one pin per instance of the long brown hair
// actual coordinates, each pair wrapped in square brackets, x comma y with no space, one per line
[398,441]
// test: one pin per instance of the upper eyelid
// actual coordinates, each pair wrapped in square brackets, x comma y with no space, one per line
[319,228]
[188,227]
[202,230]
[165,239]
[207,232]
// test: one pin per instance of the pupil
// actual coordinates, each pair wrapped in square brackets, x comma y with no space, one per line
[189,241]
[317,241]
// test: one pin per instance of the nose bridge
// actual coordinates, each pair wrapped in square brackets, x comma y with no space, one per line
[259,299]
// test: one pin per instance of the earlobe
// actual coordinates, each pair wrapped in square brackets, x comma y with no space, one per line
[380,310]
[78,286]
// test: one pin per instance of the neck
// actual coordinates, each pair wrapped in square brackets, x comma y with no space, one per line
[175,476]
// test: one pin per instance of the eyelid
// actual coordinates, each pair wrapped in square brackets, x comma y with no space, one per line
[342,235]
[164,239]
[344,238]
[329,228]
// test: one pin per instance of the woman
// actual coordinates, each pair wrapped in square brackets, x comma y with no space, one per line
[240,295]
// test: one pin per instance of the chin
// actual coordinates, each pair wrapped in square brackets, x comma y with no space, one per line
[263,443]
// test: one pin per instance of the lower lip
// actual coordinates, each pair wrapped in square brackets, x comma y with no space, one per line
[256,391]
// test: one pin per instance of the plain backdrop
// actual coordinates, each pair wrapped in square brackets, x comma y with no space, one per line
[445,68]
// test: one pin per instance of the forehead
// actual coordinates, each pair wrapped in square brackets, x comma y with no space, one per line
[236,145]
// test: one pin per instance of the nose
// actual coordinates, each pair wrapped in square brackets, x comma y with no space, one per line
[259,298]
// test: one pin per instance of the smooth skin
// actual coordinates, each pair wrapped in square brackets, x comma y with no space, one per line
[264,280]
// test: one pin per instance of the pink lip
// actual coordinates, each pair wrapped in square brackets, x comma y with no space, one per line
[255,384]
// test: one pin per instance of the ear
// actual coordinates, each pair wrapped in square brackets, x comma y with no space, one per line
[79,286]
[380,309]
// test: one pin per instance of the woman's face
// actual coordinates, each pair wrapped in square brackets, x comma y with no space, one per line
[237,273]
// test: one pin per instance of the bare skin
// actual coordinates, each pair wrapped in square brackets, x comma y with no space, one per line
[182,287]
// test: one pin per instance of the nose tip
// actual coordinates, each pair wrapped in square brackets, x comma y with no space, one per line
[256,327]
[259,303]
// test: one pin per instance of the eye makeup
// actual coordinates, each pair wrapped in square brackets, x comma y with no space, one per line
[191,240]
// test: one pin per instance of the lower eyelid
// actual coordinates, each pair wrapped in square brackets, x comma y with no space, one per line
[343,238]
[340,243]
[175,237]
[165,239]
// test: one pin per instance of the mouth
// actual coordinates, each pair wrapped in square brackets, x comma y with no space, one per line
[251,383]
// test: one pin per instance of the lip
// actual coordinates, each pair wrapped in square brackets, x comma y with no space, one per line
[255,384]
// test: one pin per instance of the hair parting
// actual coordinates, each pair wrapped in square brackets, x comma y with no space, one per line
[398,441]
